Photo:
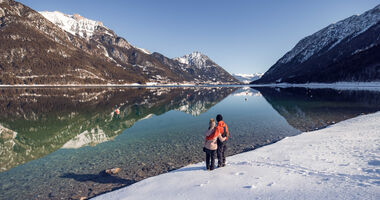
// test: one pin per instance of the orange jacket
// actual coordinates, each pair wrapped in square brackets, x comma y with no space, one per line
[220,128]
[213,144]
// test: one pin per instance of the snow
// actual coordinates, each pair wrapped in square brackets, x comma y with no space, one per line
[74,24]
[196,59]
[143,50]
[339,162]
[84,74]
[148,84]
[78,25]
[248,75]
[370,86]
[332,35]
[363,49]
[151,83]
[247,78]
[106,53]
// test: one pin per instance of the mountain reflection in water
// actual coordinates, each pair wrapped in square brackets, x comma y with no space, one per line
[36,122]
[55,143]
[309,109]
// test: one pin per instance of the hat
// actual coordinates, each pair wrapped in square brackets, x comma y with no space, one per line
[219,118]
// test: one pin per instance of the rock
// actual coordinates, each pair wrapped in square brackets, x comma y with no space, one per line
[113,171]
[2,13]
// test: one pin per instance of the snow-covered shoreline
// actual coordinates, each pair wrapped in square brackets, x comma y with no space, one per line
[373,86]
[117,85]
[339,162]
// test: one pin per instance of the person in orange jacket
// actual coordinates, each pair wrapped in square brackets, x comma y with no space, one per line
[210,145]
[220,129]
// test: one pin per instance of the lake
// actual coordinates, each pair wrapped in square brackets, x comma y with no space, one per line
[56,142]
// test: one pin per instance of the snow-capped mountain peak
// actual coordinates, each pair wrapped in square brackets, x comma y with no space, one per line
[196,59]
[332,35]
[249,75]
[247,78]
[74,24]
[203,68]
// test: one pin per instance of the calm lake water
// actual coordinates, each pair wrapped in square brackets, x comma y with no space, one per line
[55,142]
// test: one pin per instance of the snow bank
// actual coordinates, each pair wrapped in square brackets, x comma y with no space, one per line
[371,86]
[148,84]
[339,162]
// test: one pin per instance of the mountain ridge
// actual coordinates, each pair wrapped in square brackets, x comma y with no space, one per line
[343,51]
[70,49]
[196,60]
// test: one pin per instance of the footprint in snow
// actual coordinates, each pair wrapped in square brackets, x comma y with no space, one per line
[243,163]
[270,184]
[249,186]
[203,184]
[325,179]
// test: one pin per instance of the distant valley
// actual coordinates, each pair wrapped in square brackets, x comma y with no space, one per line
[247,78]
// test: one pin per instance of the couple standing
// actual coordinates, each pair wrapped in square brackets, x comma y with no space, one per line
[216,141]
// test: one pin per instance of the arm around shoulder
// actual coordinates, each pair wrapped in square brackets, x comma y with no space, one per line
[222,139]
[209,132]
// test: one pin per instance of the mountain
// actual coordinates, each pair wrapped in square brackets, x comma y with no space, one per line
[56,48]
[156,67]
[247,78]
[35,51]
[344,51]
[203,68]
[74,24]
[117,49]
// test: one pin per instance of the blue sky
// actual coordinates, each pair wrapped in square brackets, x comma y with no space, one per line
[243,36]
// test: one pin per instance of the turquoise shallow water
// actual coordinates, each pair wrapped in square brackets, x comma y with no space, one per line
[56,142]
